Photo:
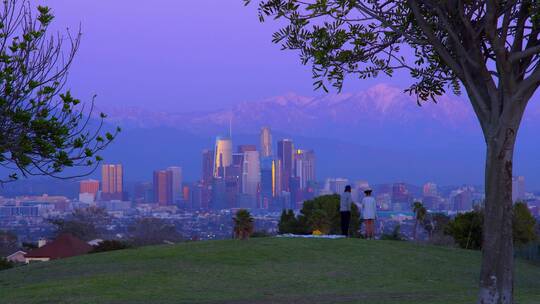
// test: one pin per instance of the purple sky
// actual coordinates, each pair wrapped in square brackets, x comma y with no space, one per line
[188,55]
[180,55]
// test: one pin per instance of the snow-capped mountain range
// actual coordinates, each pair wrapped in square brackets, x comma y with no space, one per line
[381,106]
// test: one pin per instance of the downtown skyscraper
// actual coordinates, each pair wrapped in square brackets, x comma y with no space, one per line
[222,156]
[266,142]
[285,154]
[251,173]
[270,182]
[176,181]
[304,166]
[207,167]
[163,187]
[112,182]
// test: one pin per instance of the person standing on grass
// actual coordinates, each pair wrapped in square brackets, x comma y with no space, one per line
[345,210]
[369,213]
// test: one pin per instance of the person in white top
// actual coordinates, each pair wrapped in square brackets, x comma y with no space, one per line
[369,213]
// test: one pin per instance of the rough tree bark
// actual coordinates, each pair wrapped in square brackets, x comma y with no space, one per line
[496,280]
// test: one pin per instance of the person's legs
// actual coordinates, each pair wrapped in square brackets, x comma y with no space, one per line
[348,222]
[345,220]
[342,214]
[369,229]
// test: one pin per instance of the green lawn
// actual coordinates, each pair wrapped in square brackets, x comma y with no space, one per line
[266,270]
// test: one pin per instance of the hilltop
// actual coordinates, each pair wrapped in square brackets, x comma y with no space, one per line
[267,270]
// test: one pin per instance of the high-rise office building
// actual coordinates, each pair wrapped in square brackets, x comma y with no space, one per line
[89,186]
[304,167]
[207,167]
[88,190]
[219,194]
[296,193]
[112,182]
[401,198]
[246,148]
[201,196]
[143,192]
[163,190]
[286,156]
[177,194]
[251,173]
[430,189]
[518,188]
[462,199]
[336,185]
[222,156]
[270,181]
[266,142]
[235,170]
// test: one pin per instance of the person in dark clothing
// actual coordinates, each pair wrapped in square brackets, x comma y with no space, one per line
[345,210]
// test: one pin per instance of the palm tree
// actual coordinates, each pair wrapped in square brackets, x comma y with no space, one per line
[243,224]
[420,213]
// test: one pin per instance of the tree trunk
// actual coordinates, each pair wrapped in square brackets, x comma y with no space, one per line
[497,274]
[415,227]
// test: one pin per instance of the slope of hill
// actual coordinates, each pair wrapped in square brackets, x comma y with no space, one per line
[266,270]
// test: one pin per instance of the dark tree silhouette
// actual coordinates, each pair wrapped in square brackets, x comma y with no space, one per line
[84,223]
[43,130]
[420,213]
[491,49]
[8,243]
[243,224]
[153,231]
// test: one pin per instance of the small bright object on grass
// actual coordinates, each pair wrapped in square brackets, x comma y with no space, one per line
[317,232]
[317,236]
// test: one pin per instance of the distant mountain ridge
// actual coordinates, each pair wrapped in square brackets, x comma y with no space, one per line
[379,106]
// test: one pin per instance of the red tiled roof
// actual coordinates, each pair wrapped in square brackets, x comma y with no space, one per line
[66,245]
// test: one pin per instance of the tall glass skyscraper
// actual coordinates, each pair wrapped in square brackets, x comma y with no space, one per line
[207,167]
[222,156]
[251,173]
[270,181]
[304,167]
[266,142]
[286,156]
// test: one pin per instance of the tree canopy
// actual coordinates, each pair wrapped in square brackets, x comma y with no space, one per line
[43,127]
[483,45]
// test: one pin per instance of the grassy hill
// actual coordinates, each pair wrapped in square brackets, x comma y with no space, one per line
[267,270]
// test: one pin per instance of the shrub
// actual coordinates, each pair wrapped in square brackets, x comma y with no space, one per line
[110,245]
[5,264]
[321,213]
[394,236]
[466,228]
[288,223]
[523,224]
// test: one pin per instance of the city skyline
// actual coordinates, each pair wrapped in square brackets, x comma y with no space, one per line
[281,181]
